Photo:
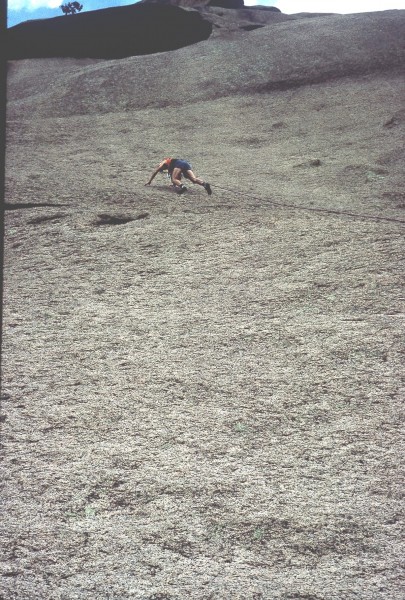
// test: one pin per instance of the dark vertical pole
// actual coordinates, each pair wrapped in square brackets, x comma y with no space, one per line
[3,63]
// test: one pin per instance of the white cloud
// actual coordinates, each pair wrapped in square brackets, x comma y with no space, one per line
[331,6]
[32,4]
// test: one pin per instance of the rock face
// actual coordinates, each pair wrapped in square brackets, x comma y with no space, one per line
[201,395]
[109,33]
[292,54]
[199,3]
[227,3]
[147,27]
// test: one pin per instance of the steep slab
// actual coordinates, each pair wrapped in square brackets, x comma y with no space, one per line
[109,33]
[282,56]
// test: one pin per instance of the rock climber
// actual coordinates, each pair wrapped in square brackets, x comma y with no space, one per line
[177,167]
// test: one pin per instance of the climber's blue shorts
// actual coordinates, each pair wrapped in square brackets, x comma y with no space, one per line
[178,163]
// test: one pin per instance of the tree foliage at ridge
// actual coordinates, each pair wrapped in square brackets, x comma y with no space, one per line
[71,8]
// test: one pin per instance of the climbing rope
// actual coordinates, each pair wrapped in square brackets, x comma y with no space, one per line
[310,208]
[331,211]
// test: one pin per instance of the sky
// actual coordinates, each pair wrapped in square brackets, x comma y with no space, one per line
[24,10]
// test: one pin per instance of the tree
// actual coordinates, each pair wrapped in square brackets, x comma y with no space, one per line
[71,8]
